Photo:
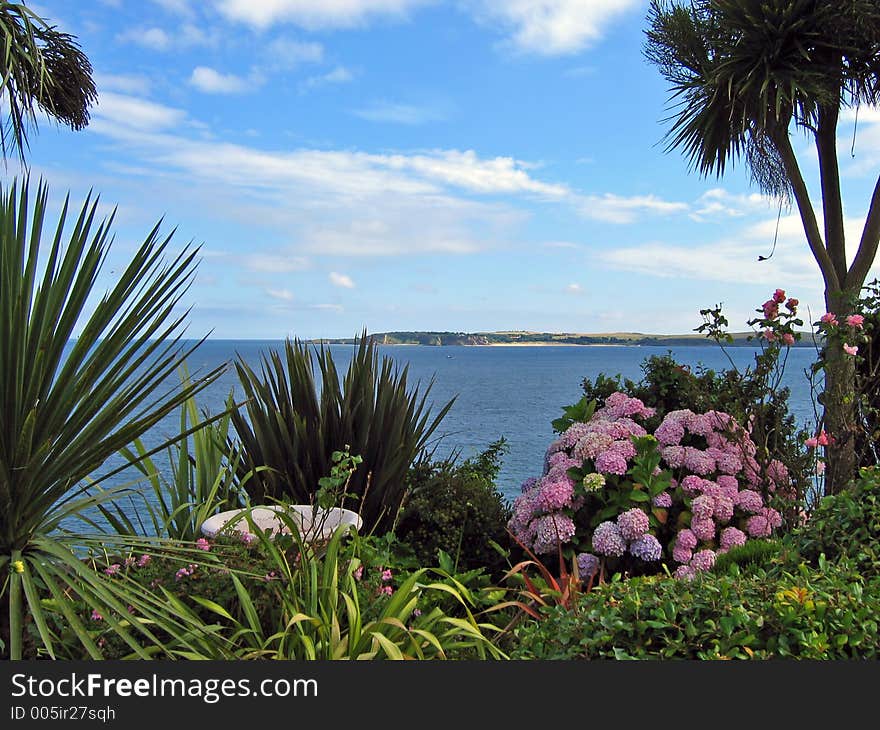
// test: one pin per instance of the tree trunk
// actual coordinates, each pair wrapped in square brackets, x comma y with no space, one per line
[839,401]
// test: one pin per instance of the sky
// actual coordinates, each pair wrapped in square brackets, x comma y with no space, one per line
[471,165]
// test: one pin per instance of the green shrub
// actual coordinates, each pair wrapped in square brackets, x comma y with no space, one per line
[845,526]
[752,553]
[457,508]
[826,614]
[292,427]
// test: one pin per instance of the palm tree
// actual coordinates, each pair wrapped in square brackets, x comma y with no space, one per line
[746,74]
[80,378]
[42,69]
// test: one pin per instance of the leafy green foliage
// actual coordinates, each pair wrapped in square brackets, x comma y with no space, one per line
[754,553]
[457,508]
[830,614]
[846,526]
[291,428]
[69,404]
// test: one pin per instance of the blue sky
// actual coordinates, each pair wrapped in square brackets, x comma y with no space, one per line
[406,164]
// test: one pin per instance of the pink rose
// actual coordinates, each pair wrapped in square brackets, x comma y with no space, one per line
[771,309]
[788,339]
[792,305]
[820,468]
[850,349]
[855,320]
[779,296]
[829,318]
[823,439]
[769,335]
[811,443]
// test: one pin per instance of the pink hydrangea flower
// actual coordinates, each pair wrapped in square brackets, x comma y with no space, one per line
[686,540]
[758,526]
[681,554]
[633,523]
[703,528]
[732,537]
[611,462]
[684,572]
[749,501]
[703,560]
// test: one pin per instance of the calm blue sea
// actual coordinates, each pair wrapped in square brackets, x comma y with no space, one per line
[513,392]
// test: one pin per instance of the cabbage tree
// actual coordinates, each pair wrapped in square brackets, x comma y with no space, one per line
[746,76]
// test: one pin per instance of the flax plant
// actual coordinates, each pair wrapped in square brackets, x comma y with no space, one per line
[68,403]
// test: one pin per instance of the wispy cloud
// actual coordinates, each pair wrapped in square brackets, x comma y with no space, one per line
[339,75]
[574,289]
[328,307]
[719,203]
[611,208]
[315,15]
[551,27]
[341,280]
[283,54]
[398,113]
[187,35]
[284,295]
[155,39]
[210,81]
[115,113]
[275,263]
[125,83]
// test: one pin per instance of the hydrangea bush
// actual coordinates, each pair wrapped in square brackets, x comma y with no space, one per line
[617,498]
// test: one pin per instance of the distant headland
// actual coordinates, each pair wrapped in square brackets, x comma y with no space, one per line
[536,339]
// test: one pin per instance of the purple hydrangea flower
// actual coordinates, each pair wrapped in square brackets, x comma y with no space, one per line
[633,523]
[698,461]
[673,455]
[774,519]
[686,540]
[749,501]
[723,508]
[729,485]
[703,528]
[732,537]
[588,565]
[692,484]
[551,531]
[647,548]
[758,526]
[703,560]
[681,554]
[702,507]
[684,572]
[664,499]
[607,540]
[610,462]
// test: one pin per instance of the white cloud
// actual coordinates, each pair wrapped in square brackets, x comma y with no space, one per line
[285,53]
[314,15]
[120,112]
[551,27]
[574,289]
[719,203]
[179,7]
[339,75]
[341,280]
[611,208]
[153,38]
[275,263]
[285,295]
[125,83]
[328,307]
[209,81]
[397,113]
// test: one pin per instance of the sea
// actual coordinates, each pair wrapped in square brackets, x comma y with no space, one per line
[509,391]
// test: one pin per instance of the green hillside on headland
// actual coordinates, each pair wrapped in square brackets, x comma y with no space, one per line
[634,339]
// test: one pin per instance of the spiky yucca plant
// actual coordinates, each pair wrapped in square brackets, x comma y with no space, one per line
[291,428]
[67,405]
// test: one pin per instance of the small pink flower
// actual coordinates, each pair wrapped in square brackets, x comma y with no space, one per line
[811,443]
[417,612]
[96,616]
[820,468]
[386,590]
[358,573]
[829,318]
[823,439]
[850,349]
[386,574]
[791,305]
[112,569]
[769,335]
[788,339]
[779,296]
[203,544]
[129,561]
[143,560]
[855,320]
[182,573]
[248,537]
